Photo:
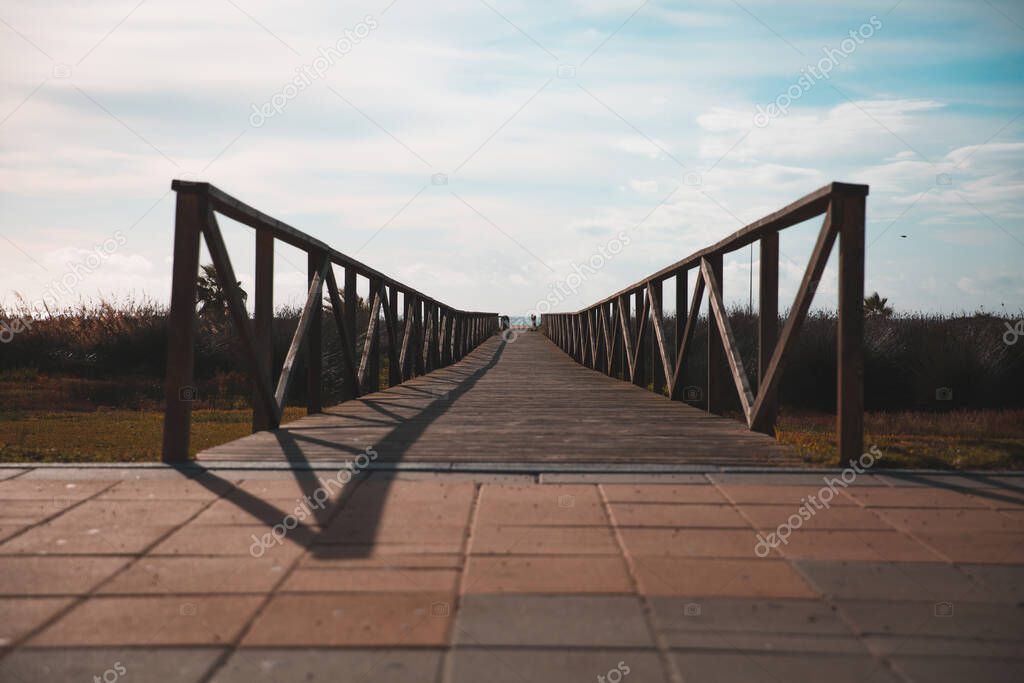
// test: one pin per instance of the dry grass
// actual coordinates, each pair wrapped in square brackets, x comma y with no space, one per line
[967,439]
[112,435]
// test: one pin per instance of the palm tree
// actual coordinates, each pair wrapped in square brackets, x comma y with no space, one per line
[875,305]
[211,297]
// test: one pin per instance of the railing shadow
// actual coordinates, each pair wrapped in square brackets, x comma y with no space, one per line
[392,448]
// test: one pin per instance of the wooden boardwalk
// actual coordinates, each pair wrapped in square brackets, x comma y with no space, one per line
[520,401]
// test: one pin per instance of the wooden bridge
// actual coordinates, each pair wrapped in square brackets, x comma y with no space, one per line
[463,387]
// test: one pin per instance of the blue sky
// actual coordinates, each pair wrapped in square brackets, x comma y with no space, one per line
[559,126]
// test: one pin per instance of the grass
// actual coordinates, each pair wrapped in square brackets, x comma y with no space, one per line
[112,435]
[957,440]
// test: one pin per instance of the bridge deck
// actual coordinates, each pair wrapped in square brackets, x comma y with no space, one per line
[523,401]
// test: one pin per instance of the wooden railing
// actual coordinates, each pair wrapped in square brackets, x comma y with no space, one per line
[433,334]
[608,338]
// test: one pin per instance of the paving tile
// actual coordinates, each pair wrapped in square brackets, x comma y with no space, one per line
[770,478]
[769,517]
[288,488]
[8,473]
[201,575]
[970,620]
[184,488]
[977,546]
[915,497]
[376,579]
[679,616]
[51,575]
[379,556]
[690,542]
[700,577]
[265,512]
[29,489]
[107,539]
[663,493]
[152,621]
[556,505]
[907,646]
[347,619]
[471,665]
[18,616]
[546,574]
[753,641]
[958,669]
[892,581]
[543,540]
[979,480]
[20,511]
[552,621]
[344,548]
[10,530]
[872,546]
[794,496]
[758,667]
[97,513]
[220,540]
[1005,583]
[331,665]
[677,516]
[392,530]
[943,520]
[151,665]
[621,478]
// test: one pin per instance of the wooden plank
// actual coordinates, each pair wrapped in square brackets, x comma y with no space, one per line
[236,307]
[314,300]
[797,314]
[317,265]
[263,327]
[237,210]
[404,357]
[807,207]
[665,366]
[732,352]
[684,345]
[564,413]
[179,382]
[348,356]
[716,380]
[351,313]
[767,324]
[366,365]
[627,338]
[394,343]
[642,306]
[850,333]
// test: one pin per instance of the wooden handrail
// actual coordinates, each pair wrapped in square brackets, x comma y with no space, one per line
[608,337]
[433,334]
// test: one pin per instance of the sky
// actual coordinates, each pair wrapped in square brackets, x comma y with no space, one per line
[482,151]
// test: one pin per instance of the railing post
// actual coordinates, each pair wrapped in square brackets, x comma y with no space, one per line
[373,367]
[394,372]
[682,311]
[850,398]
[351,311]
[716,356]
[263,325]
[417,337]
[657,370]
[767,325]
[640,348]
[314,341]
[178,386]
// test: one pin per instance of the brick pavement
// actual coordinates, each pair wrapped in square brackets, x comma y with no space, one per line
[419,576]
